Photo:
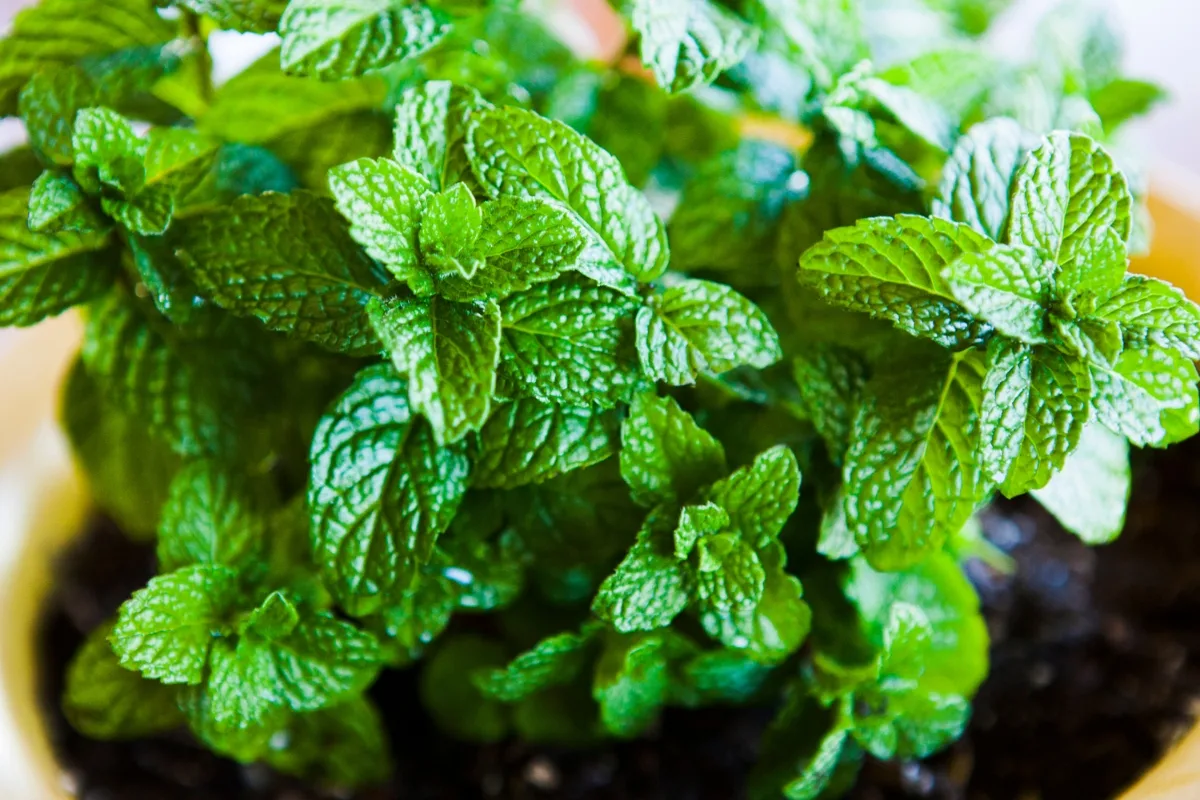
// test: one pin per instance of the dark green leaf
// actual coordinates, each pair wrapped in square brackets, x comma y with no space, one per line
[665,455]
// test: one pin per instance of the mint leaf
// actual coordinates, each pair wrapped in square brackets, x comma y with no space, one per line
[801,750]
[528,441]
[108,152]
[263,106]
[449,229]
[342,745]
[1098,267]
[696,522]
[275,618]
[517,152]
[431,130]
[1008,287]
[104,700]
[551,662]
[1154,312]
[760,497]
[893,269]
[1066,195]
[48,105]
[651,586]
[523,242]
[210,517]
[955,662]
[977,180]
[1122,99]
[568,341]
[254,16]
[350,37]
[911,475]
[382,490]
[189,394]
[665,456]
[56,203]
[384,203]
[729,582]
[128,471]
[1089,495]
[829,379]
[61,32]
[774,627]
[688,43]
[449,352]
[165,630]
[321,662]
[44,274]
[699,327]
[1035,405]
[632,681]
[287,261]
[1149,396]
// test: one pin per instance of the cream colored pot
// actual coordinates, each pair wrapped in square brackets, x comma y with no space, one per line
[43,503]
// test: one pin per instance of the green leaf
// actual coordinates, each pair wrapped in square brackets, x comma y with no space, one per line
[632,681]
[343,745]
[551,662]
[56,203]
[48,105]
[695,523]
[523,242]
[729,582]
[801,750]
[165,630]
[384,203]
[254,16]
[893,269]
[193,395]
[210,517]
[275,618]
[911,475]
[287,261]
[449,352]
[262,106]
[651,586]
[1155,312]
[1149,396]
[568,341]
[978,178]
[955,662]
[44,274]
[907,637]
[431,130]
[449,228]
[665,456]
[456,704]
[1035,406]
[830,379]
[1098,267]
[760,498]
[321,662]
[347,38]
[104,700]
[381,492]
[688,43]
[517,152]
[56,33]
[128,471]
[699,327]
[1068,193]
[107,151]
[528,441]
[1122,99]
[1090,494]
[1007,287]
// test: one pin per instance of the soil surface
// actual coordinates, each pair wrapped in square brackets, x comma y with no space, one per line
[1095,671]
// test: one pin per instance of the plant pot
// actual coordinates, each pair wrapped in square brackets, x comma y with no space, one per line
[43,503]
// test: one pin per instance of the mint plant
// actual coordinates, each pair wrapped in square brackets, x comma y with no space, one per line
[688,379]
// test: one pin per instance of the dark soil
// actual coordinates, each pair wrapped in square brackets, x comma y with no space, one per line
[1095,671]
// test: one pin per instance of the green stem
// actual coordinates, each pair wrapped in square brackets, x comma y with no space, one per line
[191,27]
